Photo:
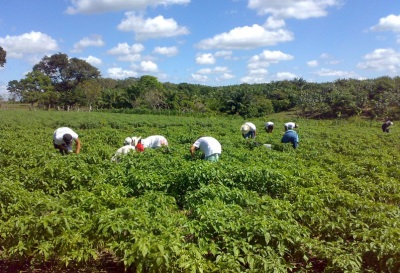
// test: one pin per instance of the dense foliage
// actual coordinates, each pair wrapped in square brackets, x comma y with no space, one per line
[57,81]
[332,205]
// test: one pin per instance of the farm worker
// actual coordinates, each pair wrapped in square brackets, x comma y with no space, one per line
[153,142]
[269,127]
[386,125]
[122,151]
[290,126]
[63,138]
[209,146]
[291,136]
[248,130]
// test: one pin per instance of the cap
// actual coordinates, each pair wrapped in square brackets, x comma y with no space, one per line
[128,141]
[245,129]
[67,138]
[135,140]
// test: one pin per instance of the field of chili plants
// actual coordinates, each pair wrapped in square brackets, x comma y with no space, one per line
[332,205]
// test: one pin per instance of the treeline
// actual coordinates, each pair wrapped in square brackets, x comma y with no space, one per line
[58,81]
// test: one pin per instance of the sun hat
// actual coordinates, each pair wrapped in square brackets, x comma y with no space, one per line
[135,140]
[245,128]
[67,138]
[128,141]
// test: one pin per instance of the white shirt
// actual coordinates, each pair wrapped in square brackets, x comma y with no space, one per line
[154,141]
[269,123]
[208,145]
[252,126]
[290,125]
[60,132]
[122,151]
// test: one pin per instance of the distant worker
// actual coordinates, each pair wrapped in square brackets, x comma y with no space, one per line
[152,142]
[269,127]
[291,136]
[248,130]
[63,138]
[209,146]
[386,125]
[122,151]
[290,126]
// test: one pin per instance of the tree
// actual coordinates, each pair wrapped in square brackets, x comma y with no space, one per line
[3,55]
[65,73]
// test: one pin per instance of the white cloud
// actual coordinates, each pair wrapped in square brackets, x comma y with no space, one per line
[383,59]
[206,58]
[95,40]
[273,23]
[99,6]
[268,57]
[93,60]
[313,63]
[285,76]
[246,38]
[127,53]
[226,54]
[28,43]
[217,69]
[225,76]
[199,78]
[388,23]
[119,73]
[148,66]
[253,79]
[299,9]
[125,49]
[157,27]
[167,51]
[324,72]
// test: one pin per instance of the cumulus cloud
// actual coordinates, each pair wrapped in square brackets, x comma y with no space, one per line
[100,6]
[285,76]
[28,43]
[226,54]
[95,40]
[148,28]
[119,73]
[312,63]
[299,9]
[148,66]
[199,78]
[383,59]
[268,57]
[206,58]
[167,51]
[246,37]
[217,69]
[225,76]
[93,60]
[253,79]
[125,49]
[126,52]
[324,72]
[388,23]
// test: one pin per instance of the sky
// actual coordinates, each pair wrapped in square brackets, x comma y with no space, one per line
[209,42]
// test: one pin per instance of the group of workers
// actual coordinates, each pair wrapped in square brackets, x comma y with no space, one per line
[249,130]
[64,137]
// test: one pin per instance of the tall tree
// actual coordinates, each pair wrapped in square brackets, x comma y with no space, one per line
[65,73]
[3,55]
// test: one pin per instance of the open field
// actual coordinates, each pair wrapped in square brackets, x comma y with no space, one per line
[332,205]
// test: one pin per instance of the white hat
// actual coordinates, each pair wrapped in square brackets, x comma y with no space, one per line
[245,128]
[128,141]
[135,140]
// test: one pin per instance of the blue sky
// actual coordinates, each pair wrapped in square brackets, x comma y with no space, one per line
[211,42]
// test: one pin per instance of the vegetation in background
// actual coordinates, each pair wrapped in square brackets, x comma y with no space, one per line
[332,205]
[60,82]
